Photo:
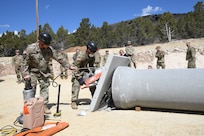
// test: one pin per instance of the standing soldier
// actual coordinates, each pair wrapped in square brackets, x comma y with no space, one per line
[16,62]
[105,57]
[24,54]
[35,67]
[75,54]
[160,58]
[190,56]
[130,52]
[62,70]
[97,57]
[84,61]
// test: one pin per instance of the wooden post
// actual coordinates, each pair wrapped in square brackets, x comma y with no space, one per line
[37,28]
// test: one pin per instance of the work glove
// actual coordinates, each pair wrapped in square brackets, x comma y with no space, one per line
[81,81]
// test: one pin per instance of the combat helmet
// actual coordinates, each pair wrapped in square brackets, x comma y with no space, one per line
[45,38]
[92,46]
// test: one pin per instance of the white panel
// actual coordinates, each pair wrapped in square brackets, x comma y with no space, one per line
[104,82]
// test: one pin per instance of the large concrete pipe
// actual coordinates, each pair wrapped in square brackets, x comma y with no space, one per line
[180,89]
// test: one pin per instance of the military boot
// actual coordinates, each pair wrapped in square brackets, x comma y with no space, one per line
[46,110]
[74,105]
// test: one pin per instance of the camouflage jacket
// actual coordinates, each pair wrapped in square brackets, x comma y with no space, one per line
[83,62]
[38,60]
[129,50]
[190,54]
[74,56]
[65,55]
[17,60]
[160,56]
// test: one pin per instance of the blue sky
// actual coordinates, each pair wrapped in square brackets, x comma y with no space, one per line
[16,15]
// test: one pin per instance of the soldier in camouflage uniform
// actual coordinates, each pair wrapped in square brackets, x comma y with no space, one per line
[24,54]
[62,70]
[75,54]
[160,58]
[105,57]
[35,67]
[130,52]
[191,56]
[83,61]
[16,62]
[97,57]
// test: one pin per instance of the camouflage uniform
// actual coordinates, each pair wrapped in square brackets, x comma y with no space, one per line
[36,64]
[16,62]
[105,57]
[82,62]
[75,54]
[130,52]
[97,57]
[160,59]
[50,69]
[62,70]
[190,57]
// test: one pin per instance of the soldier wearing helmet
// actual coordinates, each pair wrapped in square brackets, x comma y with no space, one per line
[84,61]
[160,57]
[35,67]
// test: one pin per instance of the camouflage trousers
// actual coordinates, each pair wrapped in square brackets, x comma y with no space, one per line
[191,64]
[63,72]
[43,84]
[76,89]
[18,74]
[132,61]
[160,64]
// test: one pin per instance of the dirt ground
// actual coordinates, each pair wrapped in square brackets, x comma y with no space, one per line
[106,122]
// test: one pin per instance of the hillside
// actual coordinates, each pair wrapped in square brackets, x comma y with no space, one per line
[175,55]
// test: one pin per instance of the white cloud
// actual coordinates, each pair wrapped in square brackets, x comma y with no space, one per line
[149,10]
[15,32]
[47,6]
[5,25]
[72,32]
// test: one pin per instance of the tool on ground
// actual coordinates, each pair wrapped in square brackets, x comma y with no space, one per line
[58,112]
